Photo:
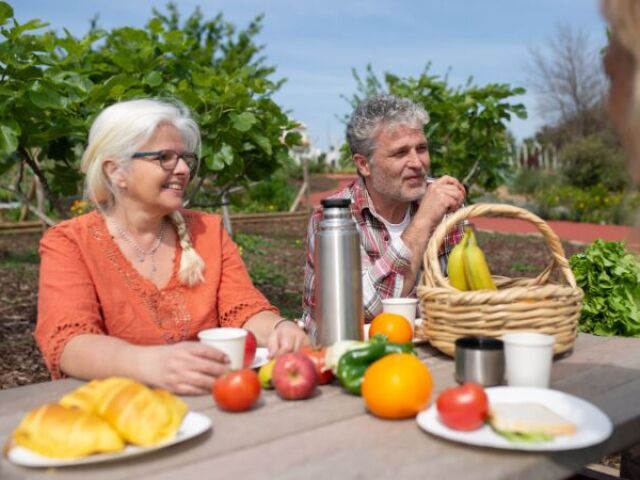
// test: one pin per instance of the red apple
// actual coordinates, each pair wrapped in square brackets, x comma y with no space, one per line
[294,376]
[316,355]
[250,346]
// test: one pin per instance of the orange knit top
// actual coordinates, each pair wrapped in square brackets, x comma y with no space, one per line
[87,285]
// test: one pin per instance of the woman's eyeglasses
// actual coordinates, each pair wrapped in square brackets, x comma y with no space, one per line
[169,159]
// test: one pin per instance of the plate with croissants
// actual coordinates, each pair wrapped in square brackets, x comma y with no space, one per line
[100,421]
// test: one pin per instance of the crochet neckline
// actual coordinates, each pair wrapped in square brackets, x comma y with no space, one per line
[113,250]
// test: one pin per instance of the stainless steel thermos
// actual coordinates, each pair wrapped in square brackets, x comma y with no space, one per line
[339,313]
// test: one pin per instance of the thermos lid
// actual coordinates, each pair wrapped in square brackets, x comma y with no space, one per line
[336,202]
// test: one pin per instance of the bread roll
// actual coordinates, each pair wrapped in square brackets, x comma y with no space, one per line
[60,432]
[528,417]
[140,415]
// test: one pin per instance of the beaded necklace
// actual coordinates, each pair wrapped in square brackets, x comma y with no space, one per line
[141,254]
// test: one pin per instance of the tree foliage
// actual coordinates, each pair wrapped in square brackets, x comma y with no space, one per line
[52,87]
[569,83]
[590,161]
[467,123]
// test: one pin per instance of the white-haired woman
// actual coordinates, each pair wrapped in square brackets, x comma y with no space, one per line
[125,289]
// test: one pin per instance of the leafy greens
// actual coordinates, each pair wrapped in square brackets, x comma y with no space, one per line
[525,437]
[609,275]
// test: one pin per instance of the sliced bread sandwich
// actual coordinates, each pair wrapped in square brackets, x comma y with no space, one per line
[528,421]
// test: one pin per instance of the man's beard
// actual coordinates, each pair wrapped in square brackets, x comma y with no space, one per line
[394,190]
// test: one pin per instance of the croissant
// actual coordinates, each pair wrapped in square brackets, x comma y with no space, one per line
[60,432]
[140,415]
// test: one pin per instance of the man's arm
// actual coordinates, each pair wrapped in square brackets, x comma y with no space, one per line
[446,194]
[308,291]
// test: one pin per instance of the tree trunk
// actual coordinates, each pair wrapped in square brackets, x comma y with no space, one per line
[35,168]
[24,211]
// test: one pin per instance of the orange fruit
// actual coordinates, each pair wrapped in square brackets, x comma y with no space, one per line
[393,326]
[398,385]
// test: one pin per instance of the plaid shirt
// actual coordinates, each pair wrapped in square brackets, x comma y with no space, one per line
[384,263]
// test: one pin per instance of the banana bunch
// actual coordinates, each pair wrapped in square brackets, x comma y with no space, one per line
[467,267]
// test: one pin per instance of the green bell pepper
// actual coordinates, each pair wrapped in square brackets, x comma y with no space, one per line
[353,364]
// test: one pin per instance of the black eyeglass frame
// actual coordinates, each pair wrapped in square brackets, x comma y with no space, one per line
[158,154]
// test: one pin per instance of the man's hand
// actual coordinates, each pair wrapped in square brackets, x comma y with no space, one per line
[444,195]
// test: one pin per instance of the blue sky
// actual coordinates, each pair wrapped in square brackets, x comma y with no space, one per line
[315,44]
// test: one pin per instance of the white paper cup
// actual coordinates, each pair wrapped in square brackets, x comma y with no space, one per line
[528,358]
[407,307]
[228,340]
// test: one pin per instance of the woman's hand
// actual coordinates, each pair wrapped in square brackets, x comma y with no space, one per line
[185,368]
[286,337]
[277,334]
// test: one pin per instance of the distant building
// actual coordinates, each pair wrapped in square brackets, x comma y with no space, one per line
[307,151]
[304,150]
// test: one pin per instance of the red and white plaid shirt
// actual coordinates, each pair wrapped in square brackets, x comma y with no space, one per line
[384,263]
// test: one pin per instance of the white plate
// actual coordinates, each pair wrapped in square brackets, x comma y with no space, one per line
[593,426]
[262,357]
[193,424]
[416,323]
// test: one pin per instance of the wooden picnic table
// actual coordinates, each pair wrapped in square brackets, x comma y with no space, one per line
[332,436]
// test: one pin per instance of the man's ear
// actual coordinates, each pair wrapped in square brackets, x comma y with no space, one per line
[113,172]
[362,164]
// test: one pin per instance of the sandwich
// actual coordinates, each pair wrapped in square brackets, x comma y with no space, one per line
[528,422]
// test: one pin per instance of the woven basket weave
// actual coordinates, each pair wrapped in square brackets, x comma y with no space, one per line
[533,304]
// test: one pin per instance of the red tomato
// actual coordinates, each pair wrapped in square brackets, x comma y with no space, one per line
[237,391]
[316,355]
[463,408]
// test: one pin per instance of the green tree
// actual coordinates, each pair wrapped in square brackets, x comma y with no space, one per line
[590,161]
[52,87]
[467,122]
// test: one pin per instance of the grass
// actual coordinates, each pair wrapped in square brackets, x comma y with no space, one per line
[20,258]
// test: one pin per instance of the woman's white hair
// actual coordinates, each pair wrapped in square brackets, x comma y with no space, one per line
[116,134]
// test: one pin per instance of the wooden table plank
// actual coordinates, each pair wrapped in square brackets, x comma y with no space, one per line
[332,435]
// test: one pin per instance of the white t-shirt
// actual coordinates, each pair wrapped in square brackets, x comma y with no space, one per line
[396,229]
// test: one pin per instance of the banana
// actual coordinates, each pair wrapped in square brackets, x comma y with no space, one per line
[475,266]
[455,264]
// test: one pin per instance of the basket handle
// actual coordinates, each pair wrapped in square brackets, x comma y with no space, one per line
[433,273]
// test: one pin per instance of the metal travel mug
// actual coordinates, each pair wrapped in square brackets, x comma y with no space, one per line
[479,360]
[339,313]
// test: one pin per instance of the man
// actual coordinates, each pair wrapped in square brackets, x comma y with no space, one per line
[395,207]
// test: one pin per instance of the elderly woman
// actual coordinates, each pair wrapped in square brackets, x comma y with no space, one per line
[125,289]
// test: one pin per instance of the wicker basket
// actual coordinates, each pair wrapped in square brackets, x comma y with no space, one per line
[533,304]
